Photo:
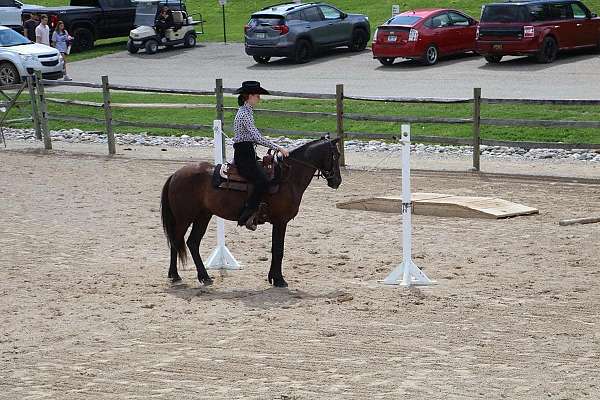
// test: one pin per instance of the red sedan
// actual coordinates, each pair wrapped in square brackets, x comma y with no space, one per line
[425,34]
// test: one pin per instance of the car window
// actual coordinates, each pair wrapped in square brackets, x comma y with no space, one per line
[578,11]
[295,16]
[504,13]
[440,21]
[403,20]
[558,11]
[537,12]
[264,20]
[313,14]
[330,13]
[7,3]
[458,19]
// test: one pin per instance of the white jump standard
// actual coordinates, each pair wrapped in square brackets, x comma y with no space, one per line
[221,257]
[407,273]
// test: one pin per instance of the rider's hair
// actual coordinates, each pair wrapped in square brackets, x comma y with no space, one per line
[242,98]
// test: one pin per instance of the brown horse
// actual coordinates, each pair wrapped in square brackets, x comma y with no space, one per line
[189,197]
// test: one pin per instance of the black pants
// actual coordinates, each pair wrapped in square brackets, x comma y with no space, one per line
[244,157]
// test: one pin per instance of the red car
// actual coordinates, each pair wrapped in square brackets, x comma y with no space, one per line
[425,34]
[536,28]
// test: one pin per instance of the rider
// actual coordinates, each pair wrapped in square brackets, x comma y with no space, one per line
[164,22]
[247,136]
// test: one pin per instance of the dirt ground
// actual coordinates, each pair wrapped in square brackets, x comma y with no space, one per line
[87,311]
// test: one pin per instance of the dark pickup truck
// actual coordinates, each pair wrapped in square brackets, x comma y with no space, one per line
[90,20]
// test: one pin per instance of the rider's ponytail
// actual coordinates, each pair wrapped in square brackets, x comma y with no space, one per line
[242,98]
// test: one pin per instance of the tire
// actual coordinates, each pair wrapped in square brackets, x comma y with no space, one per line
[548,51]
[386,60]
[151,46]
[131,47]
[262,59]
[493,59]
[302,53]
[359,40]
[9,75]
[431,55]
[83,39]
[189,40]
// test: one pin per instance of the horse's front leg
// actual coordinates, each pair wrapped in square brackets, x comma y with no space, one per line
[275,275]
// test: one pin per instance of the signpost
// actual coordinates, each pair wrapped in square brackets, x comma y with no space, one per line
[222,3]
[395,10]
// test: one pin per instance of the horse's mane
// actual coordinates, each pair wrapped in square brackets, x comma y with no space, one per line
[298,151]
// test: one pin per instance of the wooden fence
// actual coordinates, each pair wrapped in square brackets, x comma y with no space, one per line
[41,116]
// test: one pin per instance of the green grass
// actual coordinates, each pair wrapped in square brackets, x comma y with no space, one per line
[205,116]
[238,12]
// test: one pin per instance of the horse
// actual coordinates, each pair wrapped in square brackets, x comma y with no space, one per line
[189,197]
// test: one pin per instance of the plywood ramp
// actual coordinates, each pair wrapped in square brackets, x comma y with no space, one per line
[443,205]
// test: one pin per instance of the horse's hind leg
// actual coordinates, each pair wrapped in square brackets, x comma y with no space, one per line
[193,243]
[173,274]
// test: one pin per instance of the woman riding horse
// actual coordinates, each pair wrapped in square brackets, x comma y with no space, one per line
[247,136]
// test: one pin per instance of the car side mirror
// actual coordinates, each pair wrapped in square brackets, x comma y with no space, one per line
[18,4]
[594,15]
[343,15]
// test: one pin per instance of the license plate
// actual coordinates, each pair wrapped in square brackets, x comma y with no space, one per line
[261,35]
[497,47]
[392,38]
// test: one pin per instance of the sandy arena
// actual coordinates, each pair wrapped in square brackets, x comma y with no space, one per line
[87,311]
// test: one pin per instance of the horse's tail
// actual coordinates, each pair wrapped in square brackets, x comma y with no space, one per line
[169,223]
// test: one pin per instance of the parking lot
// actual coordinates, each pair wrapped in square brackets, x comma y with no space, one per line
[574,75]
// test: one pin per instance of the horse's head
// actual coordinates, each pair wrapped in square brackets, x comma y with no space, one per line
[327,158]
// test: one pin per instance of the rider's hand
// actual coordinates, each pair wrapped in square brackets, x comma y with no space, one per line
[284,152]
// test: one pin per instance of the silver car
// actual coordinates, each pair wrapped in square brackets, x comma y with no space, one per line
[299,31]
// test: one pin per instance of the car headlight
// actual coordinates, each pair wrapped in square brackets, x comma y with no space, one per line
[27,57]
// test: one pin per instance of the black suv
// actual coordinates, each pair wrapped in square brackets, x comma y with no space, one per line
[299,30]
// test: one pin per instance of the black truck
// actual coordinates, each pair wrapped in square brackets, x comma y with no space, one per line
[90,20]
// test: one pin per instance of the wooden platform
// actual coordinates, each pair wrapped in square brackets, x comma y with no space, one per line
[443,205]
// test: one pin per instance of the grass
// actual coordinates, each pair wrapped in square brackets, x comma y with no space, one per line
[238,12]
[205,116]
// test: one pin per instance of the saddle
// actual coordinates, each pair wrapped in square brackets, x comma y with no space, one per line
[226,176]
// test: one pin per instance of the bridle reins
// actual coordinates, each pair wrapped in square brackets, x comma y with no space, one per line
[327,174]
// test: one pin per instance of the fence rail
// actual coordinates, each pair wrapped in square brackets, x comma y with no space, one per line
[40,115]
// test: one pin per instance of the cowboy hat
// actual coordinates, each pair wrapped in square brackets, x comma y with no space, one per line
[251,87]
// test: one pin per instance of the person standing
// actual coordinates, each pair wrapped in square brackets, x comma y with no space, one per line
[42,31]
[61,40]
[29,27]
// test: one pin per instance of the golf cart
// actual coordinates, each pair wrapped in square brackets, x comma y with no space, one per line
[145,35]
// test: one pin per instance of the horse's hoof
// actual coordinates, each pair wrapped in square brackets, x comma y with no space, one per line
[280,282]
[207,281]
[175,279]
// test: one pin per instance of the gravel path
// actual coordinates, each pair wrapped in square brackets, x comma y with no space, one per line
[572,75]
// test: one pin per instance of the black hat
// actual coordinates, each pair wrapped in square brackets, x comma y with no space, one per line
[251,87]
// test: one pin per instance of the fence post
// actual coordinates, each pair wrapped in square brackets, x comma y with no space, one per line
[108,116]
[339,110]
[221,113]
[476,127]
[43,111]
[34,108]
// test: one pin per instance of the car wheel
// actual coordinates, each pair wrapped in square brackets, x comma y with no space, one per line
[493,59]
[83,39]
[359,40]
[548,51]
[132,48]
[190,40]
[302,53]
[431,55]
[9,75]
[262,59]
[151,46]
[386,60]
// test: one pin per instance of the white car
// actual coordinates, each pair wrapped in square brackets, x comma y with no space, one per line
[20,57]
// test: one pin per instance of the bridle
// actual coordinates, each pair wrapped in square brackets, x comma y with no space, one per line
[327,174]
